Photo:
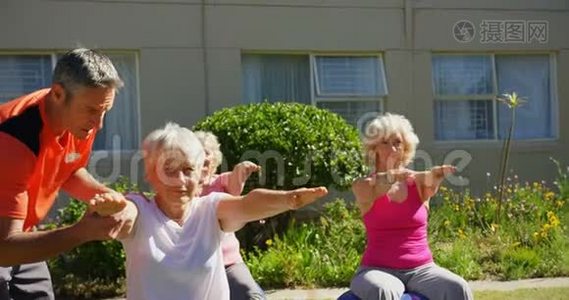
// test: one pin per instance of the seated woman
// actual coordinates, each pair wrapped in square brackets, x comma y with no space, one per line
[394,206]
[173,249]
[242,285]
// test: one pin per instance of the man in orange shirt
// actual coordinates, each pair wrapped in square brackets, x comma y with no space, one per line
[45,143]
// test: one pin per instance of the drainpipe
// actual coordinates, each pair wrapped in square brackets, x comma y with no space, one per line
[205,57]
[408,15]
[410,45]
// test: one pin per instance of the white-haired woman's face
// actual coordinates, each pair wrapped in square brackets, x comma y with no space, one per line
[176,177]
[389,151]
[207,165]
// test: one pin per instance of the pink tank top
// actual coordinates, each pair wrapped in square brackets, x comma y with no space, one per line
[229,243]
[397,232]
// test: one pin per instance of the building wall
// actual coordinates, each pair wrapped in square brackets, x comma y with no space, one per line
[190,54]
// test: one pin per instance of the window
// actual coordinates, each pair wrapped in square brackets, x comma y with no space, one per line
[347,85]
[466,86]
[22,74]
[275,78]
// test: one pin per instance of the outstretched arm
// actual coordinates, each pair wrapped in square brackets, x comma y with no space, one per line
[19,247]
[239,176]
[429,182]
[234,212]
[83,186]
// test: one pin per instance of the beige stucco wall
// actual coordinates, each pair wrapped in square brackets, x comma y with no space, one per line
[187,70]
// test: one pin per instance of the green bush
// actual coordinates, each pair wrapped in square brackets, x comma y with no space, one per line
[95,269]
[295,144]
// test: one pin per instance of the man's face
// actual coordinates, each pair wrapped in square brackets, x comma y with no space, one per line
[85,109]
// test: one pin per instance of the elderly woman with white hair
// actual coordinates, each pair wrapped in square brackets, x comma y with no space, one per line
[393,202]
[173,250]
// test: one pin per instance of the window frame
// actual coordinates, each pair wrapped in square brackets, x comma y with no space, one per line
[533,142]
[347,98]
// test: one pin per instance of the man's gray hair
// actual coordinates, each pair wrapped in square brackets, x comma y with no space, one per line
[86,68]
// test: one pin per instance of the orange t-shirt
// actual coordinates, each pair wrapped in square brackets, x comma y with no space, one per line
[34,163]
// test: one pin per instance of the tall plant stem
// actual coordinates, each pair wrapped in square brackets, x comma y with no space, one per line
[504,165]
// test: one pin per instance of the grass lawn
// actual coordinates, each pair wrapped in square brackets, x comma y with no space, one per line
[525,294]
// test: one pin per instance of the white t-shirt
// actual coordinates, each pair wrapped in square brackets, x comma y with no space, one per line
[167,261]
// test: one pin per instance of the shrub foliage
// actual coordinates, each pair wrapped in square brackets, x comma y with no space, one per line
[295,144]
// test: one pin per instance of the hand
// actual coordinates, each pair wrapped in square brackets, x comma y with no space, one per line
[391,176]
[246,168]
[301,197]
[435,175]
[107,204]
[443,171]
[93,227]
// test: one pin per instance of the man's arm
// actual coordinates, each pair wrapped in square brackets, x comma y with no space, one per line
[234,212]
[18,247]
[107,205]
[83,186]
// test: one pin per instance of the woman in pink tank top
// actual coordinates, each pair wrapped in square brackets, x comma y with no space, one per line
[393,202]
[241,282]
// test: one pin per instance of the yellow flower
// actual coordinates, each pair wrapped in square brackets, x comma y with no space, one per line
[512,100]
[269,242]
[461,233]
[553,219]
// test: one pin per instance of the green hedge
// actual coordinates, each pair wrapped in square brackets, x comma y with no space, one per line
[296,145]
[316,147]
